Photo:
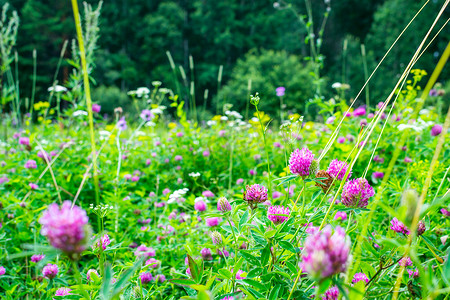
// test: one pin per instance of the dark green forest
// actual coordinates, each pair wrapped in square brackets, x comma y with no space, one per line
[257,45]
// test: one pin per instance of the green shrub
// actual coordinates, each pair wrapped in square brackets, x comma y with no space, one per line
[267,70]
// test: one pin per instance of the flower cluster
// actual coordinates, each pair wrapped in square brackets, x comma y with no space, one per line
[356,193]
[325,253]
[255,194]
[337,169]
[223,205]
[399,227]
[50,271]
[145,277]
[278,214]
[360,277]
[37,257]
[66,228]
[300,161]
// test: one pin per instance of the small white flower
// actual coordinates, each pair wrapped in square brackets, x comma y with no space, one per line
[142,91]
[224,118]
[211,123]
[80,113]
[194,174]
[336,85]
[104,133]
[57,89]
[157,111]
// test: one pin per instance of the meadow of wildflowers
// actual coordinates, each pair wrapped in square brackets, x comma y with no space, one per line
[353,204]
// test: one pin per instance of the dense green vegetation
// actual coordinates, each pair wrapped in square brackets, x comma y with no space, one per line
[135,35]
[220,150]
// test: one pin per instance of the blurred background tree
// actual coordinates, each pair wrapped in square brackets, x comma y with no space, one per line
[252,39]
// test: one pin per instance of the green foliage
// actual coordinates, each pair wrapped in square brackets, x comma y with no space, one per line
[111,97]
[267,70]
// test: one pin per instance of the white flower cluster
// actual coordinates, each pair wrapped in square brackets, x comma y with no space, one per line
[239,123]
[194,174]
[418,126]
[79,113]
[101,207]
[140,92]
[177,195]
[233,114]
[158,110]
[57,89]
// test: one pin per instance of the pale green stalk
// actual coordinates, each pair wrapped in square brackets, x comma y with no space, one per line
[366,75]
[269,183]
[79,280]
[88,97]
[439,146]
[327,147]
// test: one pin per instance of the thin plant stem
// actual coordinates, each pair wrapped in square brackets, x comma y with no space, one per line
[366,75]
[265,148]
[79,280]
[33,89]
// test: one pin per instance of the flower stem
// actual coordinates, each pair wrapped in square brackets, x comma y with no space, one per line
[265,148]
[78,278]
[87,92]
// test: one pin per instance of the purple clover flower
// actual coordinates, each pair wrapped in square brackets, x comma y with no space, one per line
[436,130]
[405,262]
[154,263]
[211,222]
[145,277]
[239,274]
[445,212]
[356,193]
[63,291]
[254,194]
[378,175]
[331,294]
[340,216]
[206,254]
[33,186]
[31,164]
[360,111]
[325,253]
[300,161]
[413,273]
[208,194]
[50,271]
[200,205]
[223,205]
[24,141]
[280,91]
[96,107]
[399,227]
[66,228]
[37,257]
[216,238]
[143,250]
[338,169]
[360,277]
[278,214]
